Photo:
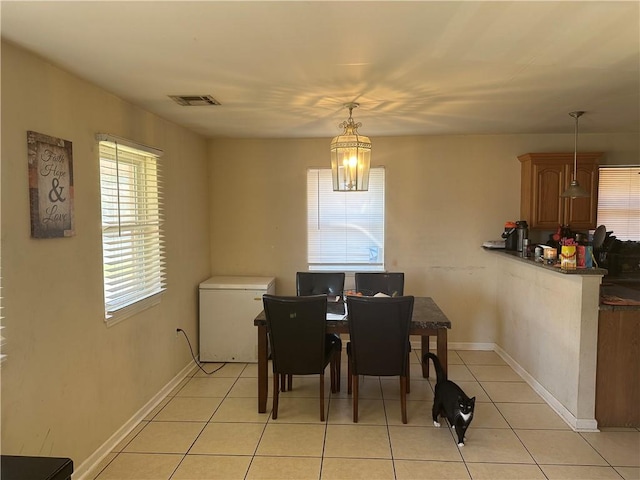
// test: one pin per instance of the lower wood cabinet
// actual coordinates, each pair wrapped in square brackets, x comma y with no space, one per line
[618,368]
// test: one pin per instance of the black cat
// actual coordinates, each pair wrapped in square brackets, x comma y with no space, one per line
[450,401]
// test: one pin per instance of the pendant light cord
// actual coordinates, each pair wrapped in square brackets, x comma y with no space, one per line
[575,115]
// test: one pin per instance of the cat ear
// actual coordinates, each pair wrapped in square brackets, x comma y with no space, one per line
[472,401]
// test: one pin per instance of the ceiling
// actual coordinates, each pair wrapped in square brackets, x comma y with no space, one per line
[286,69]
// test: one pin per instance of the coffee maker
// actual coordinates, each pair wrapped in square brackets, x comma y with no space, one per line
[510,236]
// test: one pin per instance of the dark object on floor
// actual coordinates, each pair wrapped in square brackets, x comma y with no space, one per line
[14,467]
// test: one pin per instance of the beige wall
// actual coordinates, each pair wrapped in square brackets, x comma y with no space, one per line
[70,382]
[444,197]
[232,207]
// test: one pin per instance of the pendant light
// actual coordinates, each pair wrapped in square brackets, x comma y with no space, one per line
[575,190]
[350,157]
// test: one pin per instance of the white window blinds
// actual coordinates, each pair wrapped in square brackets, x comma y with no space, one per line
[619,201]
[132,241]
[345,230]
[2,355]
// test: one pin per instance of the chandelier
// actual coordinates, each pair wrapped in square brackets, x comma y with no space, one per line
[350,157]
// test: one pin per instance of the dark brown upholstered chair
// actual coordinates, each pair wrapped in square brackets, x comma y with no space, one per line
[317,283]
[379,341]
[370,283]
[297,332]
[389,283]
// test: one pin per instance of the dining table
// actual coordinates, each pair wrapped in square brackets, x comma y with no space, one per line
[427,320]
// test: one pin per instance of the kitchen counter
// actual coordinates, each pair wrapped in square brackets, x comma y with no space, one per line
[613,295]
[551,317]
[555,268]
[548,332]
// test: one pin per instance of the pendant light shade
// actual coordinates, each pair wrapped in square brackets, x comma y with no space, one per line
[350,157]
[575,190]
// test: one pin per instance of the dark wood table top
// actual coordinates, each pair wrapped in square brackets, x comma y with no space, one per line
[426,315]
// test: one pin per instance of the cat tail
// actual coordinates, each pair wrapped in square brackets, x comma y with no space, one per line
[440,375]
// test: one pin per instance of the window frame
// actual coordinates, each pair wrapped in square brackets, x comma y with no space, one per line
[353,223]
[619,200]
[132,227]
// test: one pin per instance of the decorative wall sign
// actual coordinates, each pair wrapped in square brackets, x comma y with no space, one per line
[50,186]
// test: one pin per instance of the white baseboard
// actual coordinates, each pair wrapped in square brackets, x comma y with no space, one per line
[107,447]
[469,346]
[415,345]
[578,425]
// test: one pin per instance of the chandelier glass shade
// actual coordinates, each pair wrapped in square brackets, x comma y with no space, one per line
[350,157]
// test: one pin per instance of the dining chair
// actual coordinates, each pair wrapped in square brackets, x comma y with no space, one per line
[297,334]
[317,283]
[379,341]
[389,283]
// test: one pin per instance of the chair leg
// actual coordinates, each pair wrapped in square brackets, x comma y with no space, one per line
[338,360]
[409,373]
[322,397]
[349,377]
[335,376]
[403,398]
[283,384]
[276,388]
[289,382]
[354,381]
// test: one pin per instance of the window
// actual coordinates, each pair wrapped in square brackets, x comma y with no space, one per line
[619,201]
[132,245]
[345,230]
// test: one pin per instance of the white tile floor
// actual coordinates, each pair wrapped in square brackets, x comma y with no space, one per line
[209,428]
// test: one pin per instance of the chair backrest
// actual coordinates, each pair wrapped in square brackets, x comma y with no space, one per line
[316,283]
[370,283]
[379,334]
[297,327]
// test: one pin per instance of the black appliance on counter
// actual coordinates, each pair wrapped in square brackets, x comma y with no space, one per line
[510,236]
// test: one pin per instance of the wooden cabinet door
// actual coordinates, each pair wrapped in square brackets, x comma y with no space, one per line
[580,213]
[548,183]
[544,177]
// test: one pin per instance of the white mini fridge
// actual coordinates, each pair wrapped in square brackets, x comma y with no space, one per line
[228,306]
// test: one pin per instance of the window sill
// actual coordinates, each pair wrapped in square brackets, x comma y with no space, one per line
[133,309]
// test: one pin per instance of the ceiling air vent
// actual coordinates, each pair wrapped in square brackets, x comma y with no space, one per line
[194,100]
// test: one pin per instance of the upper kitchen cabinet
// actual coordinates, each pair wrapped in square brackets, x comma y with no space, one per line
[544,177]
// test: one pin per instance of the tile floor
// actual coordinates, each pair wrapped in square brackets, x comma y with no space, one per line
[209,428]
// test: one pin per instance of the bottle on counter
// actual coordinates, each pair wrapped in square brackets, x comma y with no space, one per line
[523,233]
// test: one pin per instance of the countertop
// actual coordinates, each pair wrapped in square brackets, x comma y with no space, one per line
[613,296]
[556,268]
[618,297]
